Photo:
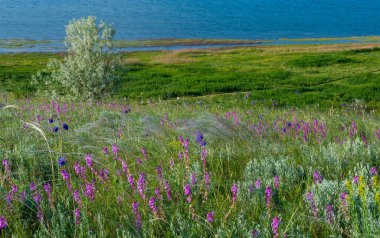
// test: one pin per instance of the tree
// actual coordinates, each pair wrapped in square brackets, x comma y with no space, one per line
[88,69]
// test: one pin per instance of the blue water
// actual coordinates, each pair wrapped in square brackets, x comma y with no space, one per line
[238,19]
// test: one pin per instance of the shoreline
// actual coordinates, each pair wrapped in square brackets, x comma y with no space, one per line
[56,46]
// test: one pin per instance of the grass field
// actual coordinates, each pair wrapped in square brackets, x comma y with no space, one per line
[328,75]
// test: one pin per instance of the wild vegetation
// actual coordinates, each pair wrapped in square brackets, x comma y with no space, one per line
[187,168]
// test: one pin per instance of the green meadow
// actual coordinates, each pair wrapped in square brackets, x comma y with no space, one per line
[294,75]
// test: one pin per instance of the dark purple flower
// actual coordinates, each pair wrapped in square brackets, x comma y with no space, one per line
[61,161]
[199,136]
[65,127]
[3,223]
[210,217]
[105,150]
[51,120]
[55,129]
[343,198]
[255,233]
[115,149]
[207,179]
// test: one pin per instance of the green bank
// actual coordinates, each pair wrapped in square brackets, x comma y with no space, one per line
[287,75]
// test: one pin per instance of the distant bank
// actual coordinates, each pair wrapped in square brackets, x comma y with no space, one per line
[27,45]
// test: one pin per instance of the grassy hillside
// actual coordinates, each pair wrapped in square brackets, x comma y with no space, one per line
[284,75]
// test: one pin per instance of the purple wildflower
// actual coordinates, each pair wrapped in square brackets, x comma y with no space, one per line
[234,191]
[158,193]
[51,120]
[310,198]
[141,185]
[207,180]
[356,179]
[268,196]
[135,209]
[32,186]
[167,188]
[77,215]
[275,224]
[255,233]
[115,149]
[105,150]
[330,213]
[76,196]
[373,171]
[55,129]
[317,177]
[65,127]
[193,179]
[37,198]
[210,217]
[276,181]
[65,175]
[343,198]
[187,192]
[61,161]
[152,205]
[199,136]
[90,191]
[159,172]
[258,184]
[88,159]
[3,223]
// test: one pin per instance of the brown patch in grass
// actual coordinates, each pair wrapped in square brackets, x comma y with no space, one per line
[131,61]
[176,56]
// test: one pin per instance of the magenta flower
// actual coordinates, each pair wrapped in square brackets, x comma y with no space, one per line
[187,192]
[32,186]
[275,224]
[3,223]
[115,149]
[158,193]
[210,217]
[77,198]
